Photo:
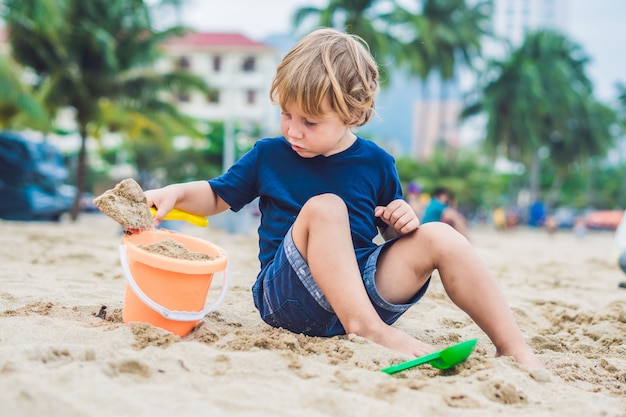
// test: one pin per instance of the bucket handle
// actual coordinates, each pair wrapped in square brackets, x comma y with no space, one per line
[175,315]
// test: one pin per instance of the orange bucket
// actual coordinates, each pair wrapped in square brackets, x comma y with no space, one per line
[167,292]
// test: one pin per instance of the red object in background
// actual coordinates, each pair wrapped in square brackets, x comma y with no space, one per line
[604,219]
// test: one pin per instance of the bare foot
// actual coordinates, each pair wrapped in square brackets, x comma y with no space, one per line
[397,340]
[523,355]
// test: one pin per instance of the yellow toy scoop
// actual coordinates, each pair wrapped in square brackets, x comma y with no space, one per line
[176,214]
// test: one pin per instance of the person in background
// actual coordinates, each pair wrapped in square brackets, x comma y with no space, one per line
[551,224]
[414,198]
[619,246]
[499,218]
[537,214]
[441,209]
[580,227]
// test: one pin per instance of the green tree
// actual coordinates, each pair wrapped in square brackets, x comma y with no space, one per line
[621,109]
[621,132]
[442,37]
[86,52]
[539,99]
[582,137]
[443,34]
[466,173]
[19,107]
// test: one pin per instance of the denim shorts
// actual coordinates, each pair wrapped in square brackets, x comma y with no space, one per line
[287,296]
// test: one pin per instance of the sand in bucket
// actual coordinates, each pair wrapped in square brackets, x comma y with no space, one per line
[165,291]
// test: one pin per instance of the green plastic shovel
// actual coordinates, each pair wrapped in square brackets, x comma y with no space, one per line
[442,359]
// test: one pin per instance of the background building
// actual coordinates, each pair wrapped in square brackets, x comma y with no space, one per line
[239,72]
[513,19]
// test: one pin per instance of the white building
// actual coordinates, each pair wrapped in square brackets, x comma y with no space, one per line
[239,72]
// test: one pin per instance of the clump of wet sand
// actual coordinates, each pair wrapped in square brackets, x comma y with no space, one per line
[127,205]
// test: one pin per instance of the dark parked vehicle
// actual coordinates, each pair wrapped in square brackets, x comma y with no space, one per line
[32,176]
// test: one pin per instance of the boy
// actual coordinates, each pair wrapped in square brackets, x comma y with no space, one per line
[323,194]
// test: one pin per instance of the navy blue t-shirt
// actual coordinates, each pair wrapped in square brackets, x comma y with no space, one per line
[364,176]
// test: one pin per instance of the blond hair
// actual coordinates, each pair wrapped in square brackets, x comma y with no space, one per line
[328,65]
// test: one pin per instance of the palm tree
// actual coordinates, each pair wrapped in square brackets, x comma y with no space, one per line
[165,9]
[621,114]
[584,136]
[445,34]
[86,52]
[539,99]
[18,106]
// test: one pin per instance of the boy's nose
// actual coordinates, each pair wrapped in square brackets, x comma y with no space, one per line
[294,130]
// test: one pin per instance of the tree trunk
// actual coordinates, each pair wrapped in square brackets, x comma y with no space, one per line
[555,191]
[81,172]
[621,195]
[534,176]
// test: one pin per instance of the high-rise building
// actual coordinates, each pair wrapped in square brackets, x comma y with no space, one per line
[513,19]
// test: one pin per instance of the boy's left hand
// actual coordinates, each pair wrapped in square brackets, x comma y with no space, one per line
[399,215]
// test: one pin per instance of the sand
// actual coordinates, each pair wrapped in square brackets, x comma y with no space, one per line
[173,249]
[57,358]
[126,204]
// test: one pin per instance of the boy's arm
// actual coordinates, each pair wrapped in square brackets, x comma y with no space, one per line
[196,197]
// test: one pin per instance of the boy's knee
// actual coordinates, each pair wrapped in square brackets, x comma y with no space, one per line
[437,231]
[439,235]
[326,204]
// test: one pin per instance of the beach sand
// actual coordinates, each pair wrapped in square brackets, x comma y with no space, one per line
[57,358]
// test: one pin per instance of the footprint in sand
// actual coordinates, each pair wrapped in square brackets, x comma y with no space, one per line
[149,335]
[461,401]
[129,366]
[504,393]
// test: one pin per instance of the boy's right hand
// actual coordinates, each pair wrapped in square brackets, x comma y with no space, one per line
[162,200]
[399,215]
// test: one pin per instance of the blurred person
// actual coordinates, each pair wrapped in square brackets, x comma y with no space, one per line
[580,227]
[441,209]
[537,214]
[512,217]
[414,198]
[619,246]
[551,224]
[499,218]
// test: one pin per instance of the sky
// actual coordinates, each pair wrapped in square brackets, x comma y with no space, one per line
[598,26]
